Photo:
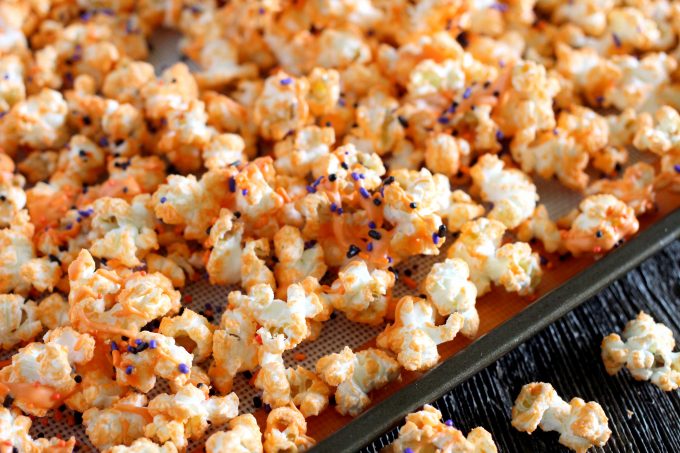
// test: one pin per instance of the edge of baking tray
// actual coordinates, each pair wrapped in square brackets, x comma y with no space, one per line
[487,349]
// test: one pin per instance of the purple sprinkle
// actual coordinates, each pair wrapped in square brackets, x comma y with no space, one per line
[310,189]
[448,422]
[501,63]
[443,120]
[676,167]
[340,211]
[389,259]
[341,102]
[371,225]
[5,76]
[310,244]
[183,368]
[86,212]
[599,99]
[617,40]
[499,7]
[364,193]
[435,238]
[79,219]
[543,260]
[107,12]
[499,135]
[232,184]
[2,114]
[104,142]
[261,11]
[138,341]
[361,176]
[130,349]
[286,81]
[556,132]
[152,344]
[467,93]
[369,247]
[355,176]
[114,346]
[86,15]
[69,226]
[129,369]
[129,27]
[244,192]
[334,207]
[163,199]
[408,450]
[318,181]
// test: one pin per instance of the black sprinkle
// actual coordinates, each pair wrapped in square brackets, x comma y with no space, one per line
[78,418]
[237,214]
[54,259]
[332,177]
[257,402]
[78,379]
[408,272]
[377,202]
[394,271]
[8,401]
[344,165]
[86,120]
[598,234]
[374,234]
[462,39]
[389,180]
[62,408]
[331,400]
[403,121]
[247,374]
[413,205]
[441,232]
[353,251]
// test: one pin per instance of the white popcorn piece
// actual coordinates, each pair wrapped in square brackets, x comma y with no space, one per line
[286,430]
[424,430]
[646,350]
[415,335]
[635,187]
[448,288]
[190,327]
[143,445]
[581,425]
[603,221]
[355,375]
[512,265]
[512,193]
[541,227]
[19,321]
[244,436]
[120,424]
[14,429]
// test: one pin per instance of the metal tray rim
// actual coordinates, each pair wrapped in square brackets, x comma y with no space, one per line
[499,341]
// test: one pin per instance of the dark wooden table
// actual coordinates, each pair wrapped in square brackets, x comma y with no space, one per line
[567,354]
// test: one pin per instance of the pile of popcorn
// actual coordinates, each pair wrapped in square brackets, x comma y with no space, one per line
[317,145]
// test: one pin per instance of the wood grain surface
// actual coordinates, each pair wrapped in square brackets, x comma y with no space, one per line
[567,354]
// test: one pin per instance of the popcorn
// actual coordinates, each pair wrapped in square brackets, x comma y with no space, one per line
[297,154]
[360,293]
[646,350]
[541,227]
[120,424]
[154,355]
[244,436]
[355,375]
[121,231]
[12,89]
[414,335]
[103,302]
[52,311]
[224,263]
[581,425]
[39,122]
[286,431]
[143,445]
[14,429]
[195,328]
[449,290]
[423,430]
[635,187]
[603,221]
[40,375]
[15,252]
[442,153]
[512,265]
[512,193]
[187,415]
[309,393]
[296,260]
[661,135]
[19,321]
[459,210]
[223,150]
[281,106]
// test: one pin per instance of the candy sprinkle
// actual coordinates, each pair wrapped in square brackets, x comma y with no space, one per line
[448,422]
[183,368]
[128,369]
[353,251]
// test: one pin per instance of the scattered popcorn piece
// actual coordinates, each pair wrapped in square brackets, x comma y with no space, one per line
[512,265]
[414,335]
[19,321]
[14,429]
[581,425]
[143,445]
[355,375]
[541,227]
[603,221]
[244,436]
[193,330]
[424,431]
[286,431]
[120,424]
[646,350]
[511,192]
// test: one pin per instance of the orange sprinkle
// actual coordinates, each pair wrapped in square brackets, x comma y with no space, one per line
[43,421]
[188,299]
[258,339]
[531,297]
[408,281]
[300,356]
[56,396]
[597,249]
[550,265]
